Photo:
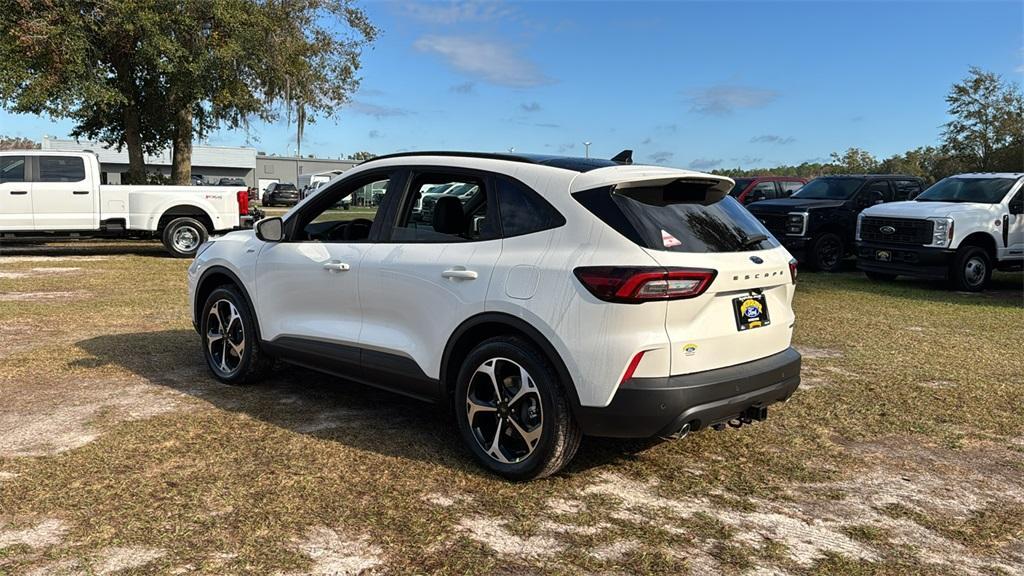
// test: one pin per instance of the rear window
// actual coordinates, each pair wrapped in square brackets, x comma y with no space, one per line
[285,188]
[61,169]
[676,218]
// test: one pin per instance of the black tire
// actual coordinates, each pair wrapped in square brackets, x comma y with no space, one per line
[559,434]
[826,253]
[971,269]
[183,236]
[253,363]
[880,276]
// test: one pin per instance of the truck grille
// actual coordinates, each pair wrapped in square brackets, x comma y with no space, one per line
[896,230]
[775,223]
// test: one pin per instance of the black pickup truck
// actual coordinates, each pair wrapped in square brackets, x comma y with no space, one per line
[817,223]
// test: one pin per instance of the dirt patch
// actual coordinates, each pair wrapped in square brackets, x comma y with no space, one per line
[615,550]
[119,558]
[446,500]
[61,420]
[4,476]
[939,384]
[336,555]
[45,533]
[43,296]
[492,533]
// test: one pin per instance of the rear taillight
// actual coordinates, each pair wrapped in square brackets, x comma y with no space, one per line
[636,285]
[243,202]
[792,269]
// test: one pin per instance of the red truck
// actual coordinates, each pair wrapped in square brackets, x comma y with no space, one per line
[756,188]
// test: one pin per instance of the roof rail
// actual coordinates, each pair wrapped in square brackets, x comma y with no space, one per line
[454,154]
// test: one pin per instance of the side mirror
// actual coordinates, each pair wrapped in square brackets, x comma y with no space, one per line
[270,229]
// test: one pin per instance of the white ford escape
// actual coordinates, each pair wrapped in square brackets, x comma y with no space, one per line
[564,297]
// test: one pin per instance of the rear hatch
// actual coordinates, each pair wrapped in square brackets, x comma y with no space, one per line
[687,222]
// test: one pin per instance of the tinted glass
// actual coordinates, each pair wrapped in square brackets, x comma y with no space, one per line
[523,211]
[459,213]
[61,169]
[651,218]
[740,186]
[878,188]
[285,188]
[829,189]
[982,190]
[906,189]
[763,191]
[12,169]
[790,187]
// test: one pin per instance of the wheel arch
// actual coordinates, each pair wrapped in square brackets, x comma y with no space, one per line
[982,240]
[178,210]
[214,277]
[487,325]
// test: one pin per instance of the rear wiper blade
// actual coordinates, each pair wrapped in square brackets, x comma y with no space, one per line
[748,241]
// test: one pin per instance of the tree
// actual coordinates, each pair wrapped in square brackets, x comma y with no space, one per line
[81,60]
[986,132]
[17,143]
[228,61]
[145,73]
[853,161]
[362,156]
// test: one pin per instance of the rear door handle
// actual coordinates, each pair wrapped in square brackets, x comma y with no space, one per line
[19,192]
[461,273]
[80,192]
[336,266]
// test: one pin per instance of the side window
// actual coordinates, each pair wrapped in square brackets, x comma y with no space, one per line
[906,189]
[522,210]
[876,192]
[335,216]
[445,207]
[12,169]
[762,191]
[61,169]
[790,186]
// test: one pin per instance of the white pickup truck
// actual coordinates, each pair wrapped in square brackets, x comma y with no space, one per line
[52,195]
[960,230]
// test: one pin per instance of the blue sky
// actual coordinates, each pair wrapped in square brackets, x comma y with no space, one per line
[698,85]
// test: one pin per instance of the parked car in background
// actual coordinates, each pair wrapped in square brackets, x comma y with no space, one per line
[279,194]
[231,182]
[51,195]
[568,296]
[818,222]
[198,180]
[757,188]
[461,190]
[960,230]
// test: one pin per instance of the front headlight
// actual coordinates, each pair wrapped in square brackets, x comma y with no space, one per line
[942,232]
[796,224]
[860,218]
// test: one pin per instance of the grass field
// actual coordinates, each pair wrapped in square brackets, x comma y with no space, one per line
[902,453]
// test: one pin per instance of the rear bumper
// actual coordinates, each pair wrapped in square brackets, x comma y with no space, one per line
[916,261]
[647,407]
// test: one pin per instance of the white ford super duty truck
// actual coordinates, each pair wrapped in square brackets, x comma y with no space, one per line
[53,195]
[960,230]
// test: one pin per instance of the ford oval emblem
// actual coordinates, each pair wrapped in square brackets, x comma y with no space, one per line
[756,260]
[887,230]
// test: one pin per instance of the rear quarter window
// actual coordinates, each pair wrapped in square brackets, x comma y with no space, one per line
[61,169]
[677,219]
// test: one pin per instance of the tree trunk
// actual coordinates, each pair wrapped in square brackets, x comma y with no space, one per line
[181,153]
[133,141]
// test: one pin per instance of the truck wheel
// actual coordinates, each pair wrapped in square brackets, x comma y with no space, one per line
[826,253]
[231,344]
[971,269]
[512,410]
[880,276]
[183,236]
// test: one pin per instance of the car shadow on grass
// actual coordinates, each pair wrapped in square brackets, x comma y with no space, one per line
[307,402]
[86,248]
[1005,290]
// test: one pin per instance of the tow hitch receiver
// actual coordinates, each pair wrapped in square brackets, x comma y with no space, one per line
[756,413]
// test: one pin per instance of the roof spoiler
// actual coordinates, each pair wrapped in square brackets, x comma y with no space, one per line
[624,157]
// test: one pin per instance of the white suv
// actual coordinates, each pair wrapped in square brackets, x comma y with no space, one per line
[569,296]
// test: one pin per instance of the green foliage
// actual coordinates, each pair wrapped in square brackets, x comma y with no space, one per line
[361,156]
[986,132]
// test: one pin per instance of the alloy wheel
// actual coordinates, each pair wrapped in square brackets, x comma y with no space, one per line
[503,408]
[828,253]
[225,337]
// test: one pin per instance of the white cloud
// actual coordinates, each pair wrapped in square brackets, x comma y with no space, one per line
[455,12]
[772,139]
[704,163]
[485,60]
[661,157]
[724,99]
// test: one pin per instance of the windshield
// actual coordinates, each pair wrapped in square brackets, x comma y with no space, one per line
[981,190]
[828,189]
[741,185]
